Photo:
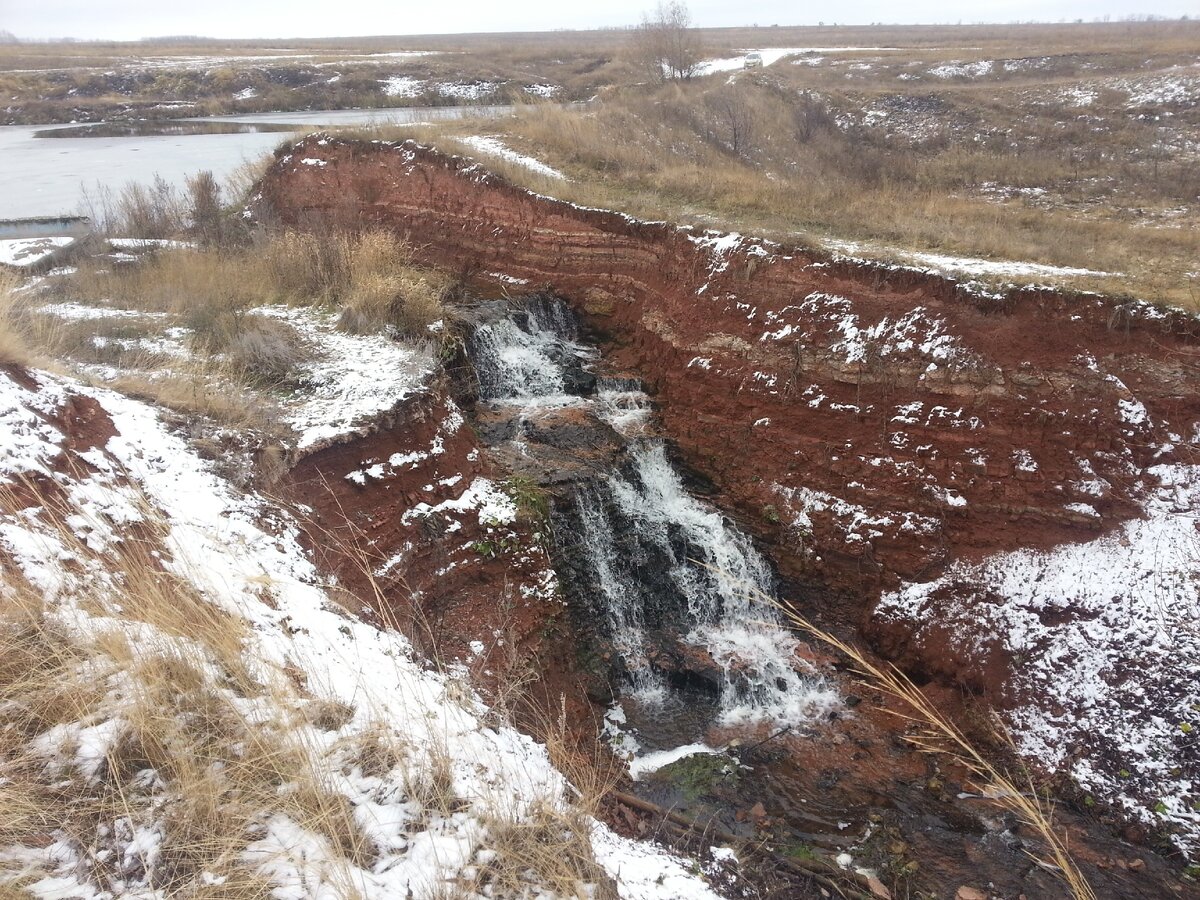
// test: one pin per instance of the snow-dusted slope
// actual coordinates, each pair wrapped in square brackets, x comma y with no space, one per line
[26,252]
[1104,647]
[352,379]
[490,146]
[243,556]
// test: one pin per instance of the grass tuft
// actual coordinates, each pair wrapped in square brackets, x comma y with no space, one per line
[937,735]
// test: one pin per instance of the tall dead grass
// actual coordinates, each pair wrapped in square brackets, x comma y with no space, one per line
[934,733]
[202,209]
[140,736]
[369,275]
[231,359]
[761,155]
[14,347]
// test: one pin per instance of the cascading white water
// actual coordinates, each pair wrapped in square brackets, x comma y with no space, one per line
[650,545]
[624,599]
[520,358]
[623,404]
[726,584]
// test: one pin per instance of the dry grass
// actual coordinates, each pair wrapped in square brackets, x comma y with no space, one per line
[934,733]
[158,209]
[584,63]
[167,695]
[543,847]
[225,362]
[13,345]
[370,275]
[204,746]
[125,354]
[769,154]
[740,161]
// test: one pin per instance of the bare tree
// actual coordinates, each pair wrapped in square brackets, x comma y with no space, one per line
[729,119]
[666,42]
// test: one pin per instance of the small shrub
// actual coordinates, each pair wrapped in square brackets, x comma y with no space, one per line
[266,350]
[549,846]
[384,289]
[13,343]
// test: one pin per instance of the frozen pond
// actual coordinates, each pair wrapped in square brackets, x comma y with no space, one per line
[47,177]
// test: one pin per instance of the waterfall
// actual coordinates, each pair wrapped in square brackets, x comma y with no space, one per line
[529,354]
[623,404]
[656,558]
[724,583]
[625,597]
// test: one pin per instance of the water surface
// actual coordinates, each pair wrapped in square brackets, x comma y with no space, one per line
[42,177]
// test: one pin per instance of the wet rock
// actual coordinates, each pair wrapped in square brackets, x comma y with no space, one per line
[701,775]
[969,893]
[578,382]
[1134,833]
[571,429]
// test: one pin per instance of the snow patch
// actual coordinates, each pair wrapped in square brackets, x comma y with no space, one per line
[495,147]
[25,252]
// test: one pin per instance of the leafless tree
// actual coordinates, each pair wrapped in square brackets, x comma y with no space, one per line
[667,44]
[729,119]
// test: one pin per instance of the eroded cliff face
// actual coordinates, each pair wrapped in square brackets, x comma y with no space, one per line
[873,422]
[888,436]
[424,536]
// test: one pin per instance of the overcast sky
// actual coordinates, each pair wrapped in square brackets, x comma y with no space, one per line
[131,19]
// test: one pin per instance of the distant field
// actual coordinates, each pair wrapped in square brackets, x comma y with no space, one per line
[1072,150]
[1069,146]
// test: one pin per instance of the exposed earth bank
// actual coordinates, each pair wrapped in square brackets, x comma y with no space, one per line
[916,455]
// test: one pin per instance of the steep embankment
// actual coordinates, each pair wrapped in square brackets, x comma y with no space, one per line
[887,433]
[939,424]
[413,520]
[189,707]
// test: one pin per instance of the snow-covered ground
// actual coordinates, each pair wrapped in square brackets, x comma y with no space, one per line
[960,265]
[770,56]
[25,252]
[967,265]
[407,86]
[242,555]
[343,385]
[352,379]
[495,147]
[402,86]
[1181,86]
[209,62]
[1105,650]
[140,244]
[963,70]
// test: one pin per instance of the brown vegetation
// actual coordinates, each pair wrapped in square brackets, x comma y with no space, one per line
[180,326]
[767,155]
[934,733]
[186,758]
[205,743]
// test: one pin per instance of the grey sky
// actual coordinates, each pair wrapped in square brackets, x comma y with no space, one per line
[127,19]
